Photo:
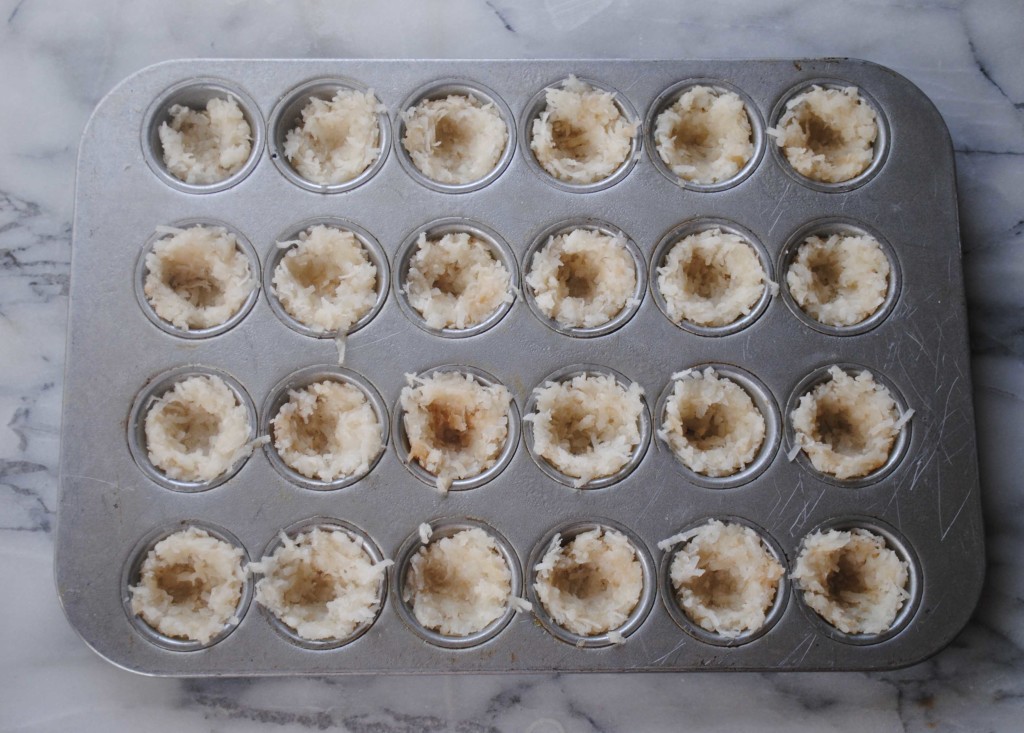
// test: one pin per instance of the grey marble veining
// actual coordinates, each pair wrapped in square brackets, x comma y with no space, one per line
[59,58]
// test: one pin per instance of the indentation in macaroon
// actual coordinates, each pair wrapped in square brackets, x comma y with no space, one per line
[336,139]
[202,147]
[454,140]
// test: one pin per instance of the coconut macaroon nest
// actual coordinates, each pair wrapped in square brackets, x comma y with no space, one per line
[197,277]
[326,280]
[322,584]
[201,147]
[583,278]
[454,140]
[197,430]
[725,578]
[581,136]
[458,585]
[711,278]
[327,431]
[840,280]
[827,135]
[337,139]
[190,585]
[456,426]
[456,281]
[711,423]
[590,584]
[587,427]
[847,426]
[852,580]
[705,136]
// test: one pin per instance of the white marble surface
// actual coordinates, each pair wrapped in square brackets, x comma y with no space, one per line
[57,59]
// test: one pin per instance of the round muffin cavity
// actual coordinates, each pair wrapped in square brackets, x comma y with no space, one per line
[197,430]
[190,585]
[581,136]
[456,281]
[587,427]
[337,139]
[590,584]
[711,423]
[458,585]
[326,280]
[840,280]
[725,578]
[827,135]
[711,278]
[583,278]
[322,584]
[847,425]
[327,431]
[201,147]
[197,277]
[706,136]
[456,426]
[852,580]
[455,140]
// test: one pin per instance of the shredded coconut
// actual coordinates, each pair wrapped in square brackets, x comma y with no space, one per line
[204,147]
[705,137]
[458,585]
[852,580]
[711,278]
[581,136]
[841,280]
[591,584]
[456,426]
[425,532]
[190,585]
[338,139]
[583,278]
[327,431]
[454,140]
[197,277]
[456,281]
[326,280]
[847,425]
[827,134]
[725,578]
[712,424]
[322,584]
[197,430]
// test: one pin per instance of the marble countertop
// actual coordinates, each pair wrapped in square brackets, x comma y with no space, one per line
[60,58]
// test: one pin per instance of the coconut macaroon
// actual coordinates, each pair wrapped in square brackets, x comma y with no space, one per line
[456,281]
[705,136]
[326,280]
[847,425]
[201,147]
[337,139]
[827,135]
[840,280]
[582,135]
[197,277]
[322,584]
[455,140]
[711,278]
[189,586]
[456,426]
[852,580]
[587,427]
[590,584]
[583,278]
[197,430]
[725,578]
[711,423]
[458,585]
[327,431]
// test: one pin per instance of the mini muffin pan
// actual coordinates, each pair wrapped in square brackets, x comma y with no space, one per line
[114,504]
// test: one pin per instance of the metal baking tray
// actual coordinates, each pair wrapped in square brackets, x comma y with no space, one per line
[926,501]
